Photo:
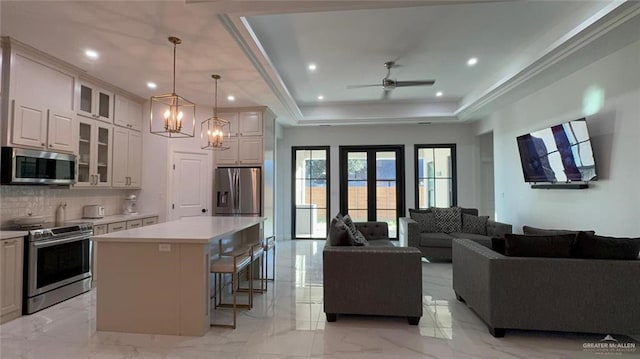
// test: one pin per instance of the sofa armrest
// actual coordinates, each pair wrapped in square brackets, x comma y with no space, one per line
[497,229]
[409,232]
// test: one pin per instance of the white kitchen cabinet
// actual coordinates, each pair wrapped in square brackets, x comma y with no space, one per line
[250,150]
[243,123]
[242,151]
[250,123]
[149,221]
[136,223]
[127,158]
[11,258]
[116,226]
[36,90]
[128,113]
[99,229]
[232,117]
[95,102]
[94,153]
[38,127]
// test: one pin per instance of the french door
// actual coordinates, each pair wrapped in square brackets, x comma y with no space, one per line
[310,192]
[372,184]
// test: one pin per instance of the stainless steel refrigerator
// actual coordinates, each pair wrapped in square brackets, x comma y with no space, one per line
[238,191]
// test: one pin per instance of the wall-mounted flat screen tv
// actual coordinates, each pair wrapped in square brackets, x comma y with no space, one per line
[559,153]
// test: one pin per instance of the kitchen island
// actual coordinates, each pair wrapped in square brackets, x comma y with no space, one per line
[155,279]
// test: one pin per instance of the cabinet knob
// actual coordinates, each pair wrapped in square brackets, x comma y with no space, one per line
[50,145]
[42,144]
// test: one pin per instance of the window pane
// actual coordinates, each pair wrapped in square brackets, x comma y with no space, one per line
[357,195]
[311,182]
[442,162]
[442,194]
[435,174]
[357,166]
[385,165]
[388,216]
[358,215]
[386,194]
[357,181]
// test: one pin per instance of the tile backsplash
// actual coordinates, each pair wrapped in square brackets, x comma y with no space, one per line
[19,201]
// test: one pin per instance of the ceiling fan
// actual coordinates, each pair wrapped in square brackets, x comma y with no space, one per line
[389,84]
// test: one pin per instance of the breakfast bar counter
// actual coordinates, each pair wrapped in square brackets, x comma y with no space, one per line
[155,279]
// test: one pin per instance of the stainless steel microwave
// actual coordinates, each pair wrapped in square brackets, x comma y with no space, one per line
[23,166]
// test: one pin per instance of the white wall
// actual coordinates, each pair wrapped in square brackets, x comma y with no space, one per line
[460,134]
[611,206]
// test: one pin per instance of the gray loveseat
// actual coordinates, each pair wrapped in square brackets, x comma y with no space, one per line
[555,294]
[437,245]
[376,279]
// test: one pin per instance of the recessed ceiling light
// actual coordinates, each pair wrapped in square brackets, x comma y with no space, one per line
[320,97]
[439,94]
[312,67]
[92,54]
[472,61]
[152,85]
[231,98]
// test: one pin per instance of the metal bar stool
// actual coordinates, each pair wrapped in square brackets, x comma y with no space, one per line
[269,244]
[258,253]
[232,263]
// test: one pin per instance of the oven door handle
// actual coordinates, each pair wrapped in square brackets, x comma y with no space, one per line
[48,243]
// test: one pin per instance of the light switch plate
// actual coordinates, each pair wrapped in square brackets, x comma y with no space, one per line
[164,247]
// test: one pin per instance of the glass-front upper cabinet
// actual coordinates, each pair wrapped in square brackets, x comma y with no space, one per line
[95,102]
[94,165]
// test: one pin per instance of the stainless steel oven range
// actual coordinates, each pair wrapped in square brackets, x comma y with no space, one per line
[58,265]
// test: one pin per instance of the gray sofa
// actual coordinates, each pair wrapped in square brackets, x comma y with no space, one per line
[437,245]
[555,294]
[376,279]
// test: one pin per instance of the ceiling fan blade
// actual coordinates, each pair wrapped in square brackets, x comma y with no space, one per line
[415,83]
[359,86]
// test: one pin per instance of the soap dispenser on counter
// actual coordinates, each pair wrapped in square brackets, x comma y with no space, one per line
[60,214]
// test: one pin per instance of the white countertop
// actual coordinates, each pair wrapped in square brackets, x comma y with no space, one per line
[12,234]
[113,219]
[186,230]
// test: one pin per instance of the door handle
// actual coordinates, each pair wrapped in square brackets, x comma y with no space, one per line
[204,210]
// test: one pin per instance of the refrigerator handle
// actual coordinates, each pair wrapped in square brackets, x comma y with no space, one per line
[237,194]
[222,199]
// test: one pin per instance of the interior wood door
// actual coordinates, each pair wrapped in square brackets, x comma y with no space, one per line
[191,185]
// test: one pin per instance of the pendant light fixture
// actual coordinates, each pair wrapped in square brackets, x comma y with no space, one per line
[214,129]
[171,114]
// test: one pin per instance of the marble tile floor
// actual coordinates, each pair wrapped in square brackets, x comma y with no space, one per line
[288,322]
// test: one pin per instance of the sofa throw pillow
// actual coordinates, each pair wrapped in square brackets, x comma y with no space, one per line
[338,233]
[356,236]
[600,247]
[425,220]
[474,224]
[527,230]
[552,246]
[448,220]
